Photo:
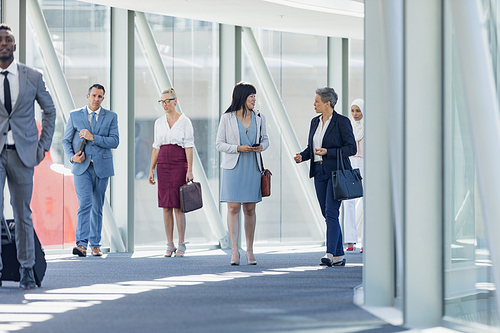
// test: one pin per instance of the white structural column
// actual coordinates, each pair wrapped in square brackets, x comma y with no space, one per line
[423,294]
[163,81]
[379,267]
[335,69]
[483,115]
[345,78]
[14,14]
[290,139]
[121,94]
[392,18]
[394,45]
[227,71]
[229,75]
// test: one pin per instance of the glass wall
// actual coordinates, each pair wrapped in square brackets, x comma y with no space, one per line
[356,69]
[189,50]
[81,37]
[298,65]
[470,294]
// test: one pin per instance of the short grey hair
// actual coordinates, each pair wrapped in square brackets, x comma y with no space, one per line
[328,94]
[170,91]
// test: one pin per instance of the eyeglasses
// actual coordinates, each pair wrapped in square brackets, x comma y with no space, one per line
[165,101]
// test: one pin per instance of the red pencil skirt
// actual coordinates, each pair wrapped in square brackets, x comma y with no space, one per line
[171,172]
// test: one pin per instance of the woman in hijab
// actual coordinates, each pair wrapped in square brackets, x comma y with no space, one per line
[354,207]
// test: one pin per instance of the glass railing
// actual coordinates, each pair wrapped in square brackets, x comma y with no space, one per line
[469,291]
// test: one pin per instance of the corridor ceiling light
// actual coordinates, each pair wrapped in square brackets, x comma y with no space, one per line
[340,7]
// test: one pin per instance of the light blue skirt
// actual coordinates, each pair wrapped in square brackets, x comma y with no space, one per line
[242,183]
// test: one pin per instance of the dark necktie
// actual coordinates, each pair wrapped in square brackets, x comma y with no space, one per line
[6,93]
[93,123]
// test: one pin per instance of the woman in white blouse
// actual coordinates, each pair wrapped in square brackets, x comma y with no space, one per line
[173,154]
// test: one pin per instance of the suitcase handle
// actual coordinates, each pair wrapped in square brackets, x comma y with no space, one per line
[7,230]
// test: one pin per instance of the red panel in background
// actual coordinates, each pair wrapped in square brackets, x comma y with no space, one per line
[54,205]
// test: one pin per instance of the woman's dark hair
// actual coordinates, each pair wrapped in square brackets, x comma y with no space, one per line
[241,92]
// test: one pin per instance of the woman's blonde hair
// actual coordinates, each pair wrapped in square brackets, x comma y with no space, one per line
[170,91]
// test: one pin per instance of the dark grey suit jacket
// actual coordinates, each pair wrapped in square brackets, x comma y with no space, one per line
[30,148]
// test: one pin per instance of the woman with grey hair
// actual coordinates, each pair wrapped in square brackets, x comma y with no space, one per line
[329,133]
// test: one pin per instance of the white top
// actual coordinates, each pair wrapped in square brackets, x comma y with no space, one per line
[13,78]
[318,137]
[180,134]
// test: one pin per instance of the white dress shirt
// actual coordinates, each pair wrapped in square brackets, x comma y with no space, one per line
[13,78]
[318,137]
[180,134]
[90,115]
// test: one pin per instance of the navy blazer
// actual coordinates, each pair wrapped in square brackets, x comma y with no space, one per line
[338,135]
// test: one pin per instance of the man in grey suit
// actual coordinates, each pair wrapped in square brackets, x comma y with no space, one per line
[20,147]
[92,165]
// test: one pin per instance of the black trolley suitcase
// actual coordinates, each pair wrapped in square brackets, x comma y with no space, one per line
[11,266]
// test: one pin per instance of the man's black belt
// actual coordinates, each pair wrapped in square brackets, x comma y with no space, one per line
[10,147]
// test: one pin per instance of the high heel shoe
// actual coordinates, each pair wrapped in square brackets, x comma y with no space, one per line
[170,249]
[251,262]
[181,248]
[235,262]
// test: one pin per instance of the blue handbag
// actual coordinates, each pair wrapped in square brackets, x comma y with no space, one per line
[346,182]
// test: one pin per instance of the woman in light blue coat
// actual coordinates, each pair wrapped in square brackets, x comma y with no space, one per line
[242,136]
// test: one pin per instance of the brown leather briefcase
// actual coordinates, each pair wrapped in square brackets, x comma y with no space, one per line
[191,198]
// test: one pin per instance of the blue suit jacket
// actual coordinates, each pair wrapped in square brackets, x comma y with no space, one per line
[338,135]
[99,151]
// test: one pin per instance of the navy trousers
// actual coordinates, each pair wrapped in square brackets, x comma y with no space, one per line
[330,209]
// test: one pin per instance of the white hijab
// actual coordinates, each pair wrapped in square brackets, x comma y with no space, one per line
[358,126]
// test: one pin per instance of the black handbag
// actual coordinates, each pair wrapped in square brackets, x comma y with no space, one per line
[346,182]
[78,143]
[191,198]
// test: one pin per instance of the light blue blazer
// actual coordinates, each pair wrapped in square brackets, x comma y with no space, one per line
[228,138]
[99,151]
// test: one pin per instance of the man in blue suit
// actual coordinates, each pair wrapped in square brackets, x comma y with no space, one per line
[20,147]
[92,165]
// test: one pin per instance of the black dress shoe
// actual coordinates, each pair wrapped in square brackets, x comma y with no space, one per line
[27,280]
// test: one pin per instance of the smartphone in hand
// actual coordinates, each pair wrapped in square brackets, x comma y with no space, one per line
[256,145]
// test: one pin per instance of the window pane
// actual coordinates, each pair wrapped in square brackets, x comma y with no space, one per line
[189,50]
[470,293]
[80,36]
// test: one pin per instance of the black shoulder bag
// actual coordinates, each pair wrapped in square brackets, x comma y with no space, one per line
[346,183]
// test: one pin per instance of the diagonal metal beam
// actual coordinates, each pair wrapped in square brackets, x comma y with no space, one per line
[63,95]
[278,111]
